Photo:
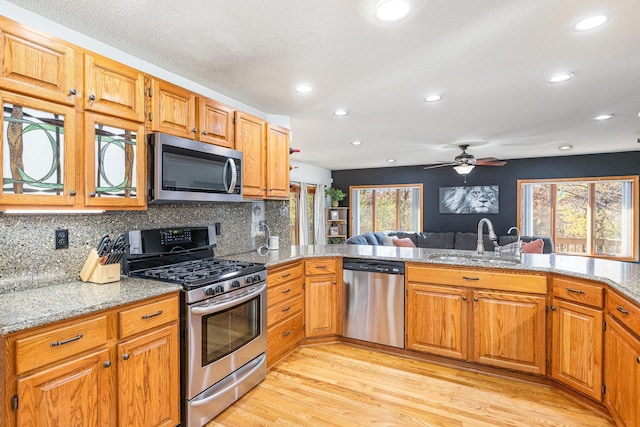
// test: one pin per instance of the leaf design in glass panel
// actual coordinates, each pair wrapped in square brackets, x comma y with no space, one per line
[115,162]
[33,144]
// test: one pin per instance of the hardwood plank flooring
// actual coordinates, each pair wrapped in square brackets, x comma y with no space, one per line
[345,385]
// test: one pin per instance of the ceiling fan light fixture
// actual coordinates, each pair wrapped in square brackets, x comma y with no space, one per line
[463,169]
[392,10]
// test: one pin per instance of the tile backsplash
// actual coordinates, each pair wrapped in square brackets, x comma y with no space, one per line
[28,258]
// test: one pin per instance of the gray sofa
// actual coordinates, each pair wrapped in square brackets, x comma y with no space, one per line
[446,240]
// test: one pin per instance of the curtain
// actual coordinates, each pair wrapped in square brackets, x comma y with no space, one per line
[318,215]
[303,220]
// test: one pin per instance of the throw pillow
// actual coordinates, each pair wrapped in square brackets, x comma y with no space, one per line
[534,247]
[388,240]
[406,242]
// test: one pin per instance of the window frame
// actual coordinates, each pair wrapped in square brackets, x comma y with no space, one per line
[590,181]
[373,207]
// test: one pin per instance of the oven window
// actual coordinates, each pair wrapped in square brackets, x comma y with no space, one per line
[226,331]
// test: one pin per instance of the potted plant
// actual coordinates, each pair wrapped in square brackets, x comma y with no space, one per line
[335,194]
[334,240]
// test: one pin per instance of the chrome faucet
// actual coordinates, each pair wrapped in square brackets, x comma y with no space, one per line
[492,235]
[518,251]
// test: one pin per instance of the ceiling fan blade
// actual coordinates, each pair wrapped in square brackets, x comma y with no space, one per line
[439,166]
[490,161]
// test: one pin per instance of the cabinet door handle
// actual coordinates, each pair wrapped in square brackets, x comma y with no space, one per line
[72,92]
[622,310]
[63,342]
[286,275]
[576,291]
[107,364]
[92,194]
[194,130]
[638,359]
[72,192]
[286,291]
[475,299]
[321,266]
[126,356]
[204,132]
[286,334]
[470,278]
[148,316]
[286,309]
[92,97]
[464,298]
[553,308]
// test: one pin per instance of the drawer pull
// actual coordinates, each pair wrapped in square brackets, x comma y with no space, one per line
[470,278]
[286,275]
[286,334]
[576,291]
[321,266]
[59,343]
[622,310]
[286,291]
[149,316]
[638,359]
[286,308]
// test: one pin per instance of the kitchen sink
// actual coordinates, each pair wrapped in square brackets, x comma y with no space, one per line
[479,261]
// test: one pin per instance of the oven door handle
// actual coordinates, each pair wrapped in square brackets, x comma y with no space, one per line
[215,307]
[259,362]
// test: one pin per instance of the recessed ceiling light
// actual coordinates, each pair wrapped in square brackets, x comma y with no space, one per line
[565,147]
[603,117]
[356,143]
[341,113]
[433,98]
[304,88]
[591,22]
[392,10]
[560,77]
[391,160]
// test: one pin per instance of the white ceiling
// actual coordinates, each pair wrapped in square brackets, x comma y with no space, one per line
[489,59]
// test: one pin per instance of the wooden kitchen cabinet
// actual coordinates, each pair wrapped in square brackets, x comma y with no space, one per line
[322,297]
[285,315]
[113,88]
[437,320]
[249,135]
[215,123]
[173,109]
[506,326]
[77,372]
[577,335]
[277,162]
[38,65]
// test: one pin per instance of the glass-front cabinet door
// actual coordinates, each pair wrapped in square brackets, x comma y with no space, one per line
[37,153]
[115,166]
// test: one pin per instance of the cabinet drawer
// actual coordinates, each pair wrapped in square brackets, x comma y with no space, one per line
[320,266]
[282,274]
[147,317]
[284,309]
[284,337]
[579,291]
[624,310]
[48,347]
[284,291]
[477,278]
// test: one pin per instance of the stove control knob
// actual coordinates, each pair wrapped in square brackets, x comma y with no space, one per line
[219,289]
[256,278]
[235,284]
[248,279]
[210,291]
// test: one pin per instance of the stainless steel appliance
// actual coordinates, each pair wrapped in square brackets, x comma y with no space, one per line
[190,171]
[374,301]
[223,314]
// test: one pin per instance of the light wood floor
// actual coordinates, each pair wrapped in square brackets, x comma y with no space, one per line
[344,385]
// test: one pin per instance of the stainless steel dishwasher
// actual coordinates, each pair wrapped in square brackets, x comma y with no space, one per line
[374,301]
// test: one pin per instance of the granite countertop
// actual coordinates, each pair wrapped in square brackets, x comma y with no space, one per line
[36,307]
[622,276]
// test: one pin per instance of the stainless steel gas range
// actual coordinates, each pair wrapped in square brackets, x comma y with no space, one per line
[223,315]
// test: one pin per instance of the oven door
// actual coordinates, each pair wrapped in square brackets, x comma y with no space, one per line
[224,335]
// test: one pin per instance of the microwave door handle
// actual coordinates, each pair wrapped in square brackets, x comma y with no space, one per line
[230,165]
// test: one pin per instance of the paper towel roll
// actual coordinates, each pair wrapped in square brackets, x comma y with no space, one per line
[273,243]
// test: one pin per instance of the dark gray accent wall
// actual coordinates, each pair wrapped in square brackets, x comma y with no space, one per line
[506,177]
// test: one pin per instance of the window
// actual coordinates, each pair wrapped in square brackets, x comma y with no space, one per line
[584,216]
[386,208]
[294,212]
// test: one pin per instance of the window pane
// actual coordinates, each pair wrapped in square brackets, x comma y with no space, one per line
[386,209]
[407,198]
[310,204]
[365,211]
[541,210]
[572,204]
[293,216]
[610,219]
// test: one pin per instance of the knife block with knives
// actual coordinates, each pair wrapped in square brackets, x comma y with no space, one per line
[96,272]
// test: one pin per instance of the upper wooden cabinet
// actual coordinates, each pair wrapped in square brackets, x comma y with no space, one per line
[250,140]
[215,123]
[277,166]
[37,65]
[173,109]
[113,88]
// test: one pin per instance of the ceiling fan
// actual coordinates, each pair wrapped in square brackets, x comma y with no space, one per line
[464,162]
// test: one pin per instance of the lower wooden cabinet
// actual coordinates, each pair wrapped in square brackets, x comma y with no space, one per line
[322,295]
[96,371]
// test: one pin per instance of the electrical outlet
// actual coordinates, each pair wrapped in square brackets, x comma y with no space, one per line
[263,225]
[62,239]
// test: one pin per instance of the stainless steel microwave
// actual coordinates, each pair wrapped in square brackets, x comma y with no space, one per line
[182,170]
